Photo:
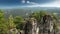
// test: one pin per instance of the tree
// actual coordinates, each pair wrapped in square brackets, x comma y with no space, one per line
[38,15]
[3,26]
[11,22]
[54,16]
[19,22]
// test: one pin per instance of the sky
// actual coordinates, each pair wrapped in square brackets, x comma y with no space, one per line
[28,3]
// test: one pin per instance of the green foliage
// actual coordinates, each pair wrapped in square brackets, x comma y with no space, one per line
[19,22]
[3,24]
[38,15]
[18,19]
[54,16]
[11,22]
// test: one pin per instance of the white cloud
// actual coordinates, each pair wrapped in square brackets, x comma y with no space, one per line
[28,2]
[23,1]
[33,3]
[56,3]
[52,4]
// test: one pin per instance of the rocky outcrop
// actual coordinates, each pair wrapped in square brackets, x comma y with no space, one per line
[46,25]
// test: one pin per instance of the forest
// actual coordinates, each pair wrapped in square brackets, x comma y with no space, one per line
[18,22]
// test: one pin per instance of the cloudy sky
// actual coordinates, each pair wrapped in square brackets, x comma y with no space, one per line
[29,3]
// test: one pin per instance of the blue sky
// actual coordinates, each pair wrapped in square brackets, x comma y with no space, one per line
[29,3]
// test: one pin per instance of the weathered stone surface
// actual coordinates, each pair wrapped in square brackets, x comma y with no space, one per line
[44,27]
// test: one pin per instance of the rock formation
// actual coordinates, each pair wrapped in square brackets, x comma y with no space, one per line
[31,26]
[46,25]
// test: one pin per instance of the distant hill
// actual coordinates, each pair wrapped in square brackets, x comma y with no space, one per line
[28,10]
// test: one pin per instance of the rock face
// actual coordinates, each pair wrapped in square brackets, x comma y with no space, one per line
[34,26]
[31,27]
[28,28]
[46,25]
[14,31]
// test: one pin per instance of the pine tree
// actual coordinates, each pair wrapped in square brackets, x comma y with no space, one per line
[3,27]
[11,22]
